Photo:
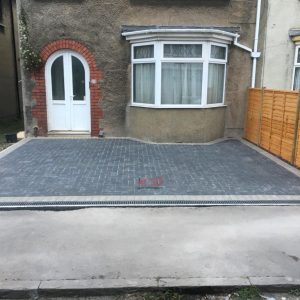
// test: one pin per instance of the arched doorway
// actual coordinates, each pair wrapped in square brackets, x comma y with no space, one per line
[68,93]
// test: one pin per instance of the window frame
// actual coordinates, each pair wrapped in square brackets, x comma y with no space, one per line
[296,65]
[136,61]
[159,58]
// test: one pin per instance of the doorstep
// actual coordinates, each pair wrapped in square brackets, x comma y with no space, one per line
[69,134]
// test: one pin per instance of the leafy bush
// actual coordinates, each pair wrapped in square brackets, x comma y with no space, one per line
[31,59]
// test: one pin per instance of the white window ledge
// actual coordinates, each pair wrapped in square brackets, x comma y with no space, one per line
[177,106]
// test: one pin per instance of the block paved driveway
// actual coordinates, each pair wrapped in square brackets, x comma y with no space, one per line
[83,167]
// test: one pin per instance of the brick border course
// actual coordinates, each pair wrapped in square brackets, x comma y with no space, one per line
[39,111]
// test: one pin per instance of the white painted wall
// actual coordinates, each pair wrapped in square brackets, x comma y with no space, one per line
[283,15]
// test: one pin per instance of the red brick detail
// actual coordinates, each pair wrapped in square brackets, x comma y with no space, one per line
[39,111]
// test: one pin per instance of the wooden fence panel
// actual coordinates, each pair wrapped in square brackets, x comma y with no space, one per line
[277,123]
[266,119]
[289,127]
[253,116]
[271,122]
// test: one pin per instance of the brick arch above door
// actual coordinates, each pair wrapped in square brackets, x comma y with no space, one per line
[39,111]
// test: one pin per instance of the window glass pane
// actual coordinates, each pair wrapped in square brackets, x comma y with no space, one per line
[78,79]
[144,83]
[57,77]
[144,52]
[181,83]
[182,50]
[298,57]
[218,52]
[297,79]
[216,73]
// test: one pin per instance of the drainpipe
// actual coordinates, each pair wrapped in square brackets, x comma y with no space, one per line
[254,53]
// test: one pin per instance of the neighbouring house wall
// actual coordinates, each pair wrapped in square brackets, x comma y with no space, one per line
[97,25]
[8,83]
[279,49]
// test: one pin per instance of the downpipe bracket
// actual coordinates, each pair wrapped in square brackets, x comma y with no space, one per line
[255,54]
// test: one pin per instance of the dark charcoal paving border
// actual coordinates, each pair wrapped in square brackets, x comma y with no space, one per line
[83,167]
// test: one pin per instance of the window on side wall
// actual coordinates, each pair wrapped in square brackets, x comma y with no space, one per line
[296,77]
[178,74]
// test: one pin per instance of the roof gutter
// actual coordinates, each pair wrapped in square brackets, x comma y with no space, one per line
[183,30]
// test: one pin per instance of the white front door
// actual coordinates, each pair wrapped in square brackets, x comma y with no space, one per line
[68,94]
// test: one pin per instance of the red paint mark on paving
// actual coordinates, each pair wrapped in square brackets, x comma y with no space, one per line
[146,182]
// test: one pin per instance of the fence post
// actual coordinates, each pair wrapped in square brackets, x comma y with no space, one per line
[296,130]
[247,115]
[260,115]
[271,120]
[282,128]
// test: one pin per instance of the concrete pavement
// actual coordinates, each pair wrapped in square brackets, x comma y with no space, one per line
[115,248]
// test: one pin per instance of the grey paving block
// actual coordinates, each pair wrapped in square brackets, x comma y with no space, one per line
[82,167]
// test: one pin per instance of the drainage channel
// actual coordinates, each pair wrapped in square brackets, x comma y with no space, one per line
[142,203]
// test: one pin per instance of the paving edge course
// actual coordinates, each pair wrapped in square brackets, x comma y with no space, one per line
[99,287]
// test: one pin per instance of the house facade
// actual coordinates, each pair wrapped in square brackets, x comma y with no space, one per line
[9,96]
[165,71]
[281,59]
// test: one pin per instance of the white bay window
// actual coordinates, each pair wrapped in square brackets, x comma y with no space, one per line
[178,74]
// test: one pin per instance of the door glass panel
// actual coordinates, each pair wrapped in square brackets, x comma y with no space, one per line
[57,77]
[78,79]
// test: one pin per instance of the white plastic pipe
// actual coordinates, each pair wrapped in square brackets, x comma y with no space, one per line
[255,54]
[237,44]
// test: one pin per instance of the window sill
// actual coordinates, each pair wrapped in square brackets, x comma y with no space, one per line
[178,106]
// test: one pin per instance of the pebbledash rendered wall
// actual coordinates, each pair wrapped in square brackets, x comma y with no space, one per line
[96,25]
